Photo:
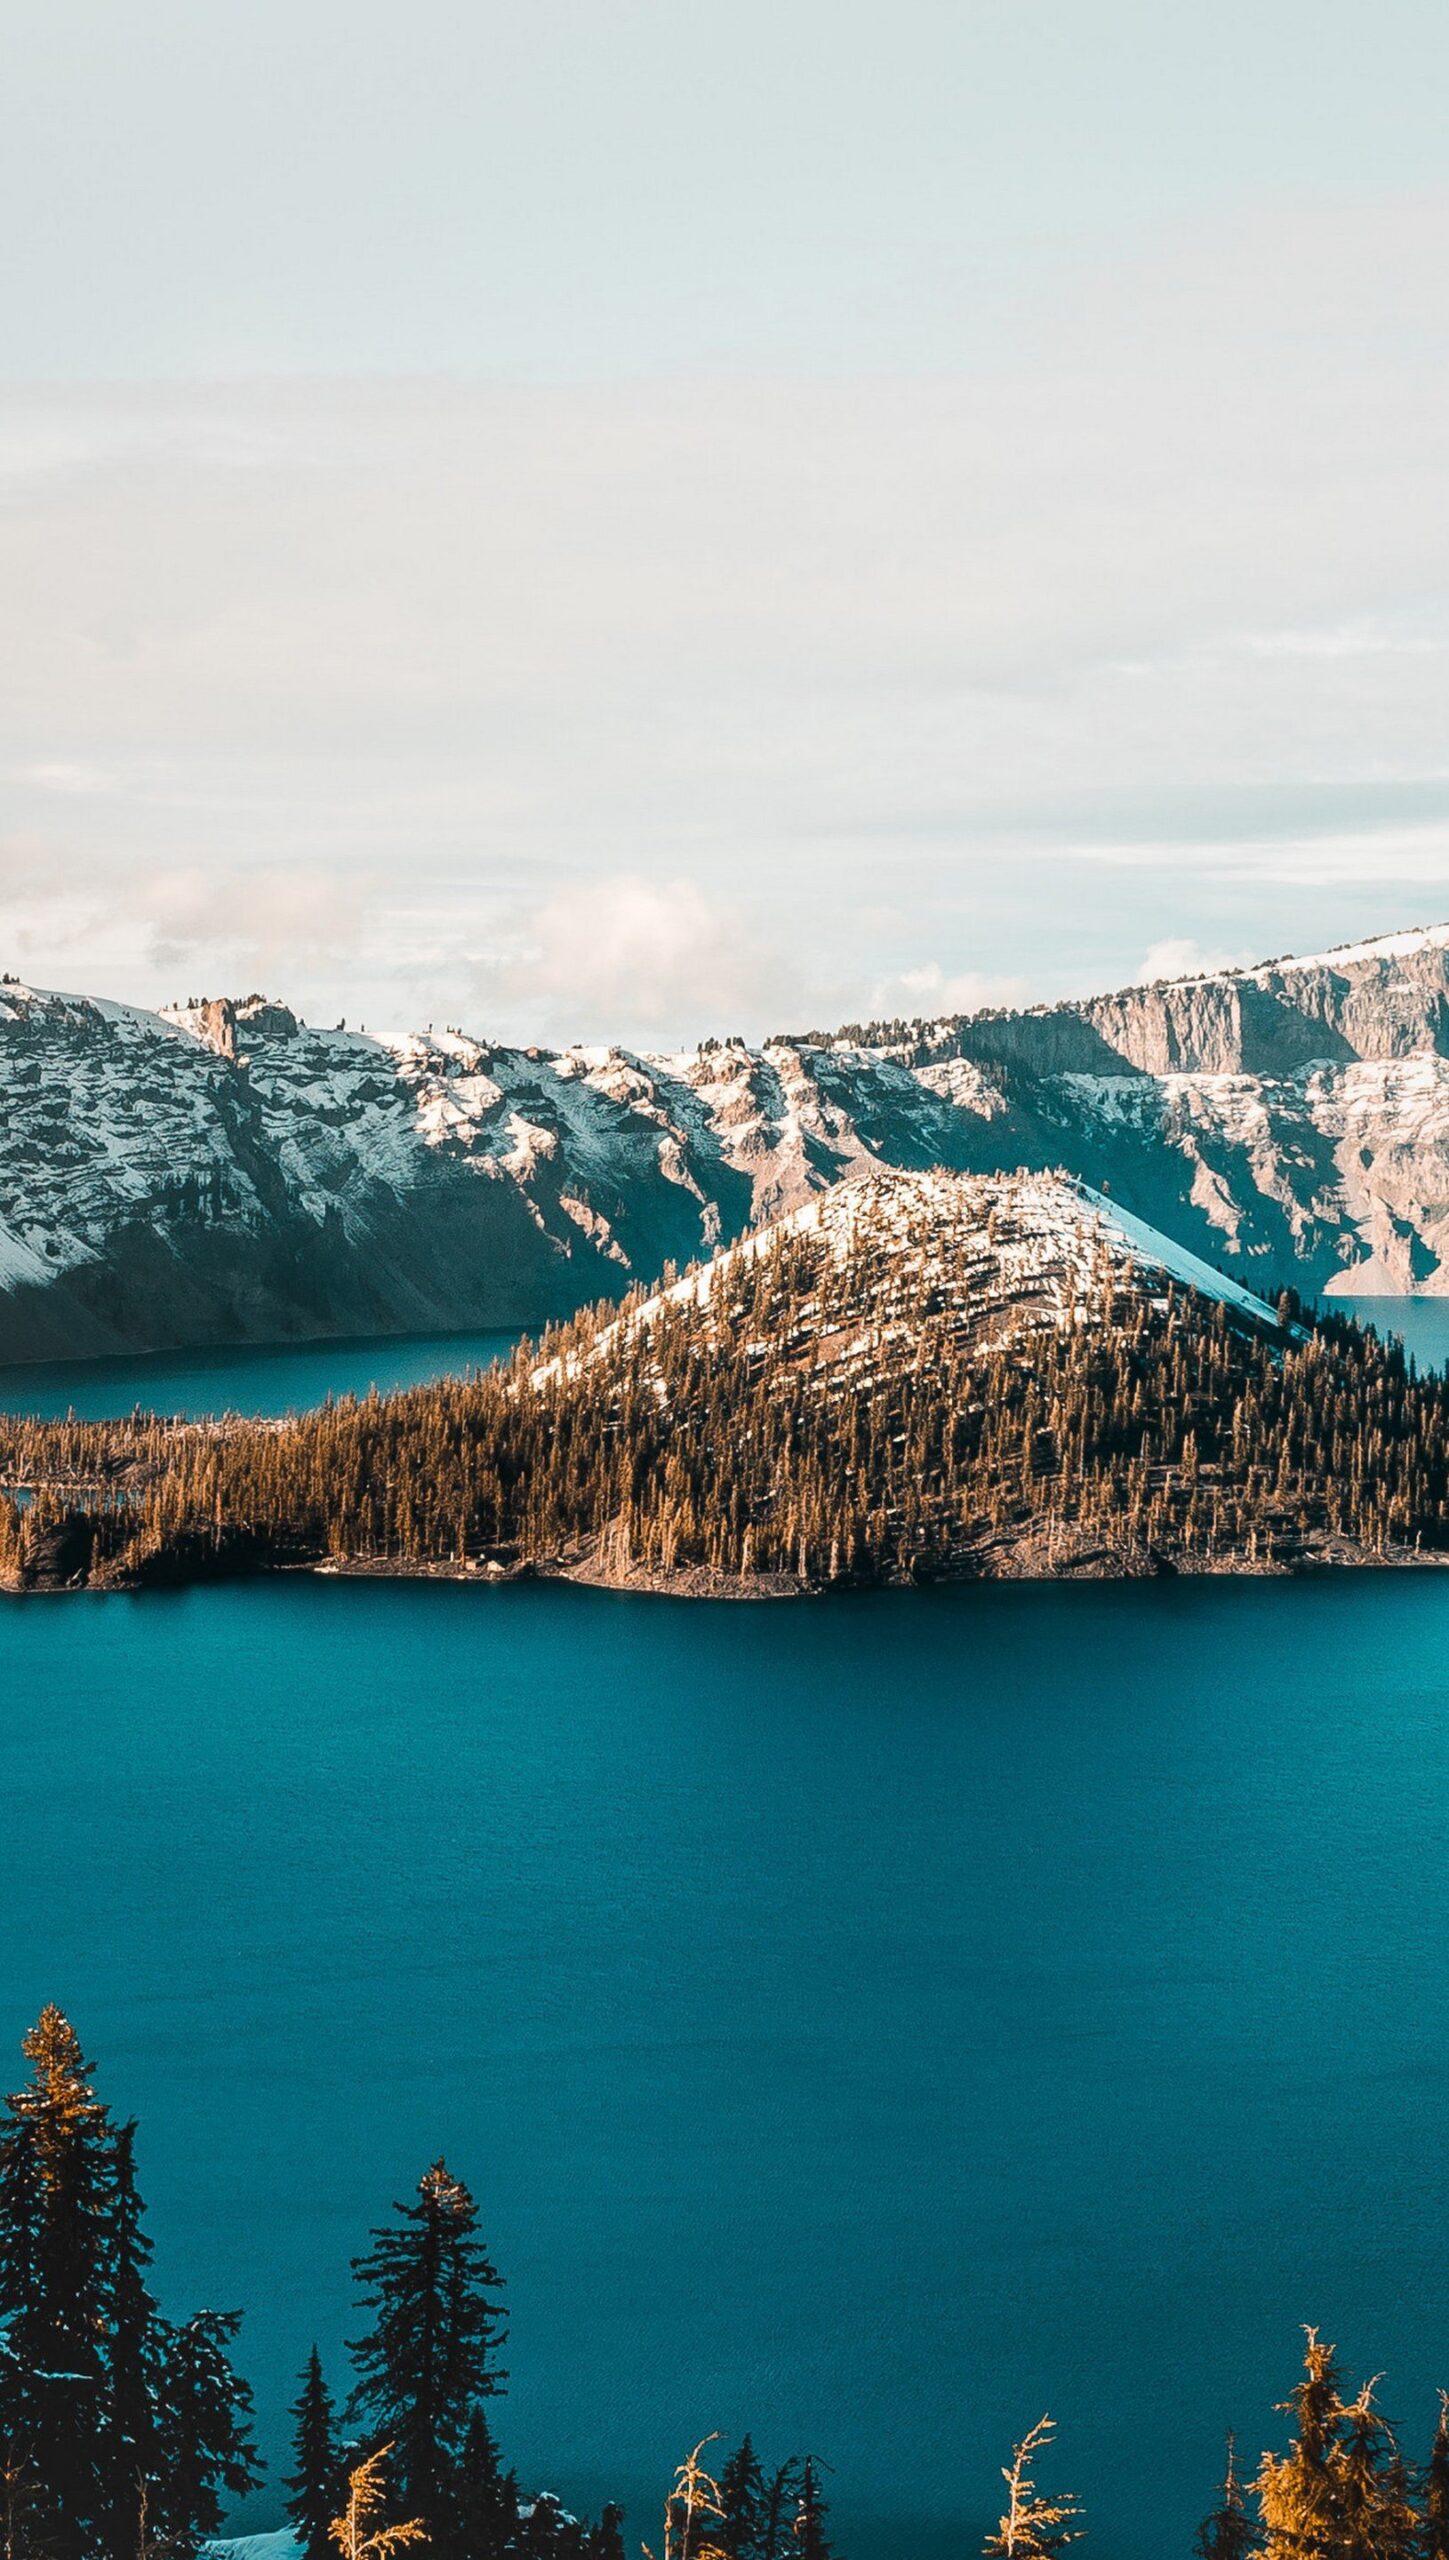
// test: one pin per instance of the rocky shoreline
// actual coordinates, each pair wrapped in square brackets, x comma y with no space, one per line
[1037,1554]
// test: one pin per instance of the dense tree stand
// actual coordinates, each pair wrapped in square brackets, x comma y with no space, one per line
[119,2431]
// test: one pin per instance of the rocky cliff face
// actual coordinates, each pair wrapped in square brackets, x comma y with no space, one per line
[226,1173]
[1385,999]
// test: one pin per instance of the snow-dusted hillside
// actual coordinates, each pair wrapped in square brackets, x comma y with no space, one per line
[224,1172]
[989,1250]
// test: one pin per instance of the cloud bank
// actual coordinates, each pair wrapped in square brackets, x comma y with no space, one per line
[661,707]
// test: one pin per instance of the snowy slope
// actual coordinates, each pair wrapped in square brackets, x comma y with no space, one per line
[1135,1242]
[989,1249]
[282,2545]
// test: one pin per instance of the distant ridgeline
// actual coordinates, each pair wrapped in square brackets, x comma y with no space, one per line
[915,1377]
[126,2435]
[225,1173]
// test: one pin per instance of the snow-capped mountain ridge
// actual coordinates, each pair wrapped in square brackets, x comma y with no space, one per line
[1339,955]
[223,1171]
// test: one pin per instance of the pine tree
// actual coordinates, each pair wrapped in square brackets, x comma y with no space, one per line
[811,2539]
[21,2205]
[1339,2493]
[744,2502]
[319,2483]
[361,2532]
[1378,2517]
[782,2498]
[55,2203]
[132,2451]
[1228,2533]
[1033,2527]
[206,2443]
[116,2430]
[1297,2491]
[606,2542]
[486,2499]
[429,2358]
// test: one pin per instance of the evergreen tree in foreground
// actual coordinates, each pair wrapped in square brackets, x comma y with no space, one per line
[811,2539]
[606,2542]
[486,2497]
[744,2504]
[319,2483]
[55,2197]
[206,2442]
[429,2358]
[1340,2492]
[117,2431]
[782,2497]
[1033,2527]
[1228,2534]
[130,2456]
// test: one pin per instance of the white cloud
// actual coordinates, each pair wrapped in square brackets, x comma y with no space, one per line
[931,989]
[634,959]
[1178,957]
[255,923]
[1402,862]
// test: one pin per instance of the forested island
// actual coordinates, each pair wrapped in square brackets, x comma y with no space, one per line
[126,2434]
[919,1378]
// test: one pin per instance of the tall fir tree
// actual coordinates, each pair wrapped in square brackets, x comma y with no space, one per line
[606,2541]
[1228,2533]
[1296,2491]
[1378,2517]
[1340,2492]
[116,2430]
[782,2499]
[318,2486]
[811,2539]
[744,2502]
[131,2451]
[56,2188]
[20,2212]
[486,2500]
[430,2356]
[204,2425]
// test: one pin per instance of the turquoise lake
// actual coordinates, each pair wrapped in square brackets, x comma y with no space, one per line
[869,2021]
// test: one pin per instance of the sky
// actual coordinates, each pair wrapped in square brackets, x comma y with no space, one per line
[633,518]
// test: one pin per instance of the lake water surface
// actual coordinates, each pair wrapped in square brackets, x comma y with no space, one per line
[868,2021]
[284,1380]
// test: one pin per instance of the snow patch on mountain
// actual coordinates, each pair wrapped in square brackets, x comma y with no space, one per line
[993,1249]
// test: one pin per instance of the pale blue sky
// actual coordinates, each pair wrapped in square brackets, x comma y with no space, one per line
[562,188]
[635,518]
